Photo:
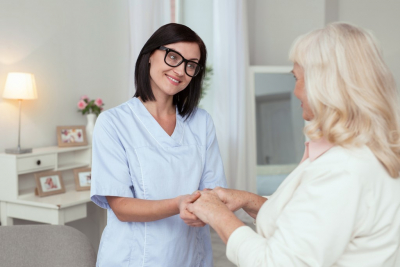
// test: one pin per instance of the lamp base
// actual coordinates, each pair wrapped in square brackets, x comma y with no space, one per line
[18,150]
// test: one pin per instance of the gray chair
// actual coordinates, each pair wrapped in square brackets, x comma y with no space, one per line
[45,246]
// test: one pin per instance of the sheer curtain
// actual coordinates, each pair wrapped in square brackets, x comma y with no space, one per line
[234,100]
[145,17]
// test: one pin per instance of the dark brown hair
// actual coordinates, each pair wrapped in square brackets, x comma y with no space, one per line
[186,100]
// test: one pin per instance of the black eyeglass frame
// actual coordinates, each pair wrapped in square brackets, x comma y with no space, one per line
[167,50]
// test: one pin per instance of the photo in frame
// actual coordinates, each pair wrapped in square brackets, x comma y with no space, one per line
[71,136]
[49,183]
[83,178]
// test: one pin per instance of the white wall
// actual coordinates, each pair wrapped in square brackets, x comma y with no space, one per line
[383,19]
[273,26]
[73,48]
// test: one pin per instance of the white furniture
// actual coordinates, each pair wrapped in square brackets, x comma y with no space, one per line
[17,188]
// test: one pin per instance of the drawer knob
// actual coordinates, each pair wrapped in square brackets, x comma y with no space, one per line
[38,162]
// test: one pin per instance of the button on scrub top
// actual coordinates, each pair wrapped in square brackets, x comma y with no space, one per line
[134,157]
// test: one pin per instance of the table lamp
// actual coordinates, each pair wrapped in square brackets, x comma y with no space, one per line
[20,86]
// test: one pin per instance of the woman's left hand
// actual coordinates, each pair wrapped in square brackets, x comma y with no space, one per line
[208,207]
[189,218]
[211,210]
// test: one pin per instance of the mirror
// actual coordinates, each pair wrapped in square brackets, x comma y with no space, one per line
[279,125]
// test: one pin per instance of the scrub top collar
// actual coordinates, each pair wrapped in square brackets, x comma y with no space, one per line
[154,129]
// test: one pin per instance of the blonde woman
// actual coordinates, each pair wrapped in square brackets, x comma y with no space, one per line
[341,205]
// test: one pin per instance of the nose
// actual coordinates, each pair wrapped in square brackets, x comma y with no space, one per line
[296,92]
[180,70]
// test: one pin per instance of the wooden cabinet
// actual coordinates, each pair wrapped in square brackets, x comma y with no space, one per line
[17,188]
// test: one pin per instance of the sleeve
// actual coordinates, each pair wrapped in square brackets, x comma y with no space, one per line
[110,171]
[213,172]
[313,229]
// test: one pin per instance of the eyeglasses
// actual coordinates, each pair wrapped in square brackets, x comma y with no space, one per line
[174,59]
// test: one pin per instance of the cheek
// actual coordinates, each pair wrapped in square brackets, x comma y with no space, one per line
[300,91]
[155,73]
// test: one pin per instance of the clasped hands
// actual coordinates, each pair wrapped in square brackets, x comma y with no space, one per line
[208,206]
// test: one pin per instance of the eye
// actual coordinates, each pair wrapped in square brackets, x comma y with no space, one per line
[173,56]
[191,66]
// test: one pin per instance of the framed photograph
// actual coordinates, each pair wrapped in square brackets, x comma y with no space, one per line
[49,183]
[83,178]
[71,136]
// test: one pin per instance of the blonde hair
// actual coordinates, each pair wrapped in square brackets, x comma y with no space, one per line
[350,91]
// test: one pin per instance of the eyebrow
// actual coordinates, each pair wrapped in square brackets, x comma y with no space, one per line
[181,54]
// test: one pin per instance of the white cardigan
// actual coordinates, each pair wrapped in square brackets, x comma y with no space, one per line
[343,209]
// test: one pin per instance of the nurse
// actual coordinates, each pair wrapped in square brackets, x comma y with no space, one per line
[151,152]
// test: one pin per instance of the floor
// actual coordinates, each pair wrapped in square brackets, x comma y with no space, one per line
[219,250]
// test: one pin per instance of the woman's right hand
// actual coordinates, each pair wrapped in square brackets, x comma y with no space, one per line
[233,199]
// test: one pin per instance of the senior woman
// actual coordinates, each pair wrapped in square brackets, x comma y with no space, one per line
[341,205]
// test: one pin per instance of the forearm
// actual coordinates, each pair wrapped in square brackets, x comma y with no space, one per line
[253,204]
[225,225]
[141,210]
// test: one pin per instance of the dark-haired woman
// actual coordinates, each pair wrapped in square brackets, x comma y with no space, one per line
[151,153]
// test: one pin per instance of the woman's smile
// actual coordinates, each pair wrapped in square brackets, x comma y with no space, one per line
[173,80]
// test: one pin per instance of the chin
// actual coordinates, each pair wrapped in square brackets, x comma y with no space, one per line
[171,92]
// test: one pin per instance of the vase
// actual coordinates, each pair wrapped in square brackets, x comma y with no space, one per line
[91,118]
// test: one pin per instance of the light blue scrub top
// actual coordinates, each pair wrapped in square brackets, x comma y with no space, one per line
[134,157]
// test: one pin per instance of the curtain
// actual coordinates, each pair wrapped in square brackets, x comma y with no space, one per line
[145,17]
[234,100]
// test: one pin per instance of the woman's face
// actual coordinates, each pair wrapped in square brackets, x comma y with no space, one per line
[300,91]
[166,80]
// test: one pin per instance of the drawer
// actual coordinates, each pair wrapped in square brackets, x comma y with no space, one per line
[36,163]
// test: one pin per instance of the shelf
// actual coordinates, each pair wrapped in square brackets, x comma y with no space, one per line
[45,150]
[70,198]
[36,170]
[275,169]
[17,198]
[70,166]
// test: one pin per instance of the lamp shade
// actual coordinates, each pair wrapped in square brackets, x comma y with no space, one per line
[20,86]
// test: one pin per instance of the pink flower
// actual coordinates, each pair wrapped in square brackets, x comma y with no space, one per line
[98,102]
[82,104]
[85,97]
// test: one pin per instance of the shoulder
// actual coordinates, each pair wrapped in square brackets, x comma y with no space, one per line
[357,165]
[118,113]
[200,119]
[119,110]
[199,114]
[355,159]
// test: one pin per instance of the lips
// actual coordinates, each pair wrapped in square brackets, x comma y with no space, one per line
[173,80]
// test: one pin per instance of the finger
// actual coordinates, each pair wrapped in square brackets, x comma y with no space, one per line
[207,189]
[196,195]
[198,224]
[186,215]
[190,207]
[193,197]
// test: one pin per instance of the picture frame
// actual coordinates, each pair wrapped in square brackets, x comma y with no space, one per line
[49,183]
[68,136]
[83,178]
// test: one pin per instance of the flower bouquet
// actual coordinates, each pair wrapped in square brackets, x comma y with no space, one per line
[87,106]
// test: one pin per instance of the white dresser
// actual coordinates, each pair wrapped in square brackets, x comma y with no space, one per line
[17,186]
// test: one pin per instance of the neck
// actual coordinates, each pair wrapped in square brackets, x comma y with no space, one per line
[161,107]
